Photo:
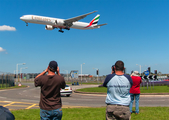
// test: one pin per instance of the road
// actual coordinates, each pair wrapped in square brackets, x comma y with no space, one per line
[28,98]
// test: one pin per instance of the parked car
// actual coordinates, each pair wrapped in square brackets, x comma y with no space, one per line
[67,91]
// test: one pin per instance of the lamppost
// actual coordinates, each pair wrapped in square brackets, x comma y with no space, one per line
[17,69]
[140,68]
[67,73]
[21,72]
[97,72]
[14,72]
[81,72]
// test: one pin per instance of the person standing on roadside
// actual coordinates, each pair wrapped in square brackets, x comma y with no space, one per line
[135,91]
[112,71]
[118,98]
[50,99]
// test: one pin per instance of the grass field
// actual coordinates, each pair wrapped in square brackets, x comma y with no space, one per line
[157,89]
[4,87]
[146,113]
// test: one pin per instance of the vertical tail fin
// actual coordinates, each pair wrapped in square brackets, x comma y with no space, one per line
[95,20]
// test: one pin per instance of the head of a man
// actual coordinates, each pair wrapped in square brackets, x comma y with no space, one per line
[135,73]
[119,66]
[53,66]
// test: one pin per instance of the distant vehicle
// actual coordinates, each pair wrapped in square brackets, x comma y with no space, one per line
[52,23]
[67,91]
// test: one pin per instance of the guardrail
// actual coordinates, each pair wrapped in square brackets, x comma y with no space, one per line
[6,80]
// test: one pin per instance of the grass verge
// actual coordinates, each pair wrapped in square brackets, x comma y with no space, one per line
[157,89]
[146,113]
[4,87]
[85,83]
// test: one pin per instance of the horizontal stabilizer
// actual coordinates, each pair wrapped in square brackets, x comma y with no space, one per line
[102,24]
[98,26]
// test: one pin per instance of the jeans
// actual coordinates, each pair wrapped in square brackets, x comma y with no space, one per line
[51,114]
[137,97]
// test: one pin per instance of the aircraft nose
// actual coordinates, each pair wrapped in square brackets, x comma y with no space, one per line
[21,18]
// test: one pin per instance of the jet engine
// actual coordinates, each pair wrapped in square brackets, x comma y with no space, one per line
[49,27]
[59,22]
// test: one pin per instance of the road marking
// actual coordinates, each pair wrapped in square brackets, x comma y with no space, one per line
[2,90]
[36,96]
[37,101]
[18,105]
[30,106]
[3,97]
[6,101]
[24,90]
[104,95]
[154,95]
[9,104]
[153,100]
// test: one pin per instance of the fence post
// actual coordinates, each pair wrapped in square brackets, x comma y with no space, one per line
[6,80]
[2,80]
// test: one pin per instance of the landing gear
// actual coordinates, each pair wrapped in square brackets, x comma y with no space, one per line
[26,24]
[67,28]
[61,31]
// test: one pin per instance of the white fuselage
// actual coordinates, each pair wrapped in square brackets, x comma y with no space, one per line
[55,22]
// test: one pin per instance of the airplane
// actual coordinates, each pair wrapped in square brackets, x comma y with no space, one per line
[52,23]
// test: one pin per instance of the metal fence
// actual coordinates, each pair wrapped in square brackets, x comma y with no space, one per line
[6,80]
[80,80]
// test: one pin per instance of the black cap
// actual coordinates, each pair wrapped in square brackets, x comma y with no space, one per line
[53,65]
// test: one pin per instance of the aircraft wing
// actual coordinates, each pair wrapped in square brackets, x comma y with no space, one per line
[74,19]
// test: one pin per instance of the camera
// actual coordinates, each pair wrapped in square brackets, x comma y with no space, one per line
[113,70]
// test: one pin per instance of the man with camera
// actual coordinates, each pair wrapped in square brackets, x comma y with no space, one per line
[50,99]
[118,98]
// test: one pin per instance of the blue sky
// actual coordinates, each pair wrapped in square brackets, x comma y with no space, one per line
[137,33]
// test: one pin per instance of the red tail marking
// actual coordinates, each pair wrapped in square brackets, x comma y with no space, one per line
[90,23]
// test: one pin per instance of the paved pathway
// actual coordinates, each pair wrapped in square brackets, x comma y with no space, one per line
[28,98]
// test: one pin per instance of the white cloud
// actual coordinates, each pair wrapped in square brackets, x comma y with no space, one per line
[7,28]
[1,49]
